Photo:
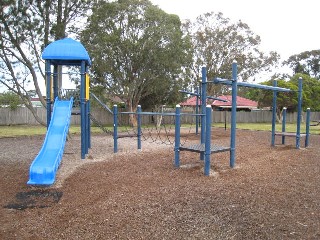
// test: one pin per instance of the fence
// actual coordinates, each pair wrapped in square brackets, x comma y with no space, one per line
[23,116]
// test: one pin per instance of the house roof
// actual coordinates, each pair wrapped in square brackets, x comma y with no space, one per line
[191,102]
[241,102]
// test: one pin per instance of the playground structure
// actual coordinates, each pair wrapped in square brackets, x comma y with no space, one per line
[71,53]
[138,132]
[66,52]
[275,90]
[204,147]
[283,132]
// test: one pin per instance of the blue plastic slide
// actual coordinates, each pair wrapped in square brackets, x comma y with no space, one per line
[44,167]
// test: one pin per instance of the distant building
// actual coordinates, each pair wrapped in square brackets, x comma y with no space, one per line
[36,102]
[190,102]
[243,104]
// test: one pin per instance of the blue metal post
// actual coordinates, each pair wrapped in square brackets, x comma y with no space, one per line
[274,114]
[83,110]
[177,137]
[307,128]
[55,82]
[139,126]
[299,113]
[115,128]
[197,111]
[233,114]
[48,81]
[203,108]
[284,119]
[207,153]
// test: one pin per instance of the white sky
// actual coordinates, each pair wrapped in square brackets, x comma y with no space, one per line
[286,26]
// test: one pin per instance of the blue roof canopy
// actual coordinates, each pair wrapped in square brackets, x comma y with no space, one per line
[66,52]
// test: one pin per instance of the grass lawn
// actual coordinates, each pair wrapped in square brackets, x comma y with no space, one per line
[290,127]
[23,130]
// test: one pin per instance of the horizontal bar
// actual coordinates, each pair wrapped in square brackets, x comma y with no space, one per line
[149,113]
[221,80]
[191,93]
[209,97]
[219,99]
[252,85]
[192,114]
[289,134]
[162,114]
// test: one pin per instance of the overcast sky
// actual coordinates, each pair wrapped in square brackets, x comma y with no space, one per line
[285,26]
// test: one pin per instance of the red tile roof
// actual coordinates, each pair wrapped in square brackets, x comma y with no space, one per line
[241,102]
[191,102]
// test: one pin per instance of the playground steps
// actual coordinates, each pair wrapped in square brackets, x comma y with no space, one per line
[201,148]
[289,134]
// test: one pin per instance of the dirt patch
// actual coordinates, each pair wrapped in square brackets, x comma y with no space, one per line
[34,199]
[273,193]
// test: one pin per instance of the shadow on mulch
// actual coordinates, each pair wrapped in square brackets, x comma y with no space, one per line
[34,199]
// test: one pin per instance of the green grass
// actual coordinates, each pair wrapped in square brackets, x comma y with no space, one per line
[26,130]
[290,127]
[23,130]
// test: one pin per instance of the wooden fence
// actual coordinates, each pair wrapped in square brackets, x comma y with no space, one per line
[22,116]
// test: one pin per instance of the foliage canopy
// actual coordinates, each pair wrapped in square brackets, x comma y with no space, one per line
[138,51]
[217,42]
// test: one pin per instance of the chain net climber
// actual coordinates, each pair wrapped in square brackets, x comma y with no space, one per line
[158,128]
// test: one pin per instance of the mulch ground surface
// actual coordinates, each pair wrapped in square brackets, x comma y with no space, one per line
[272,193]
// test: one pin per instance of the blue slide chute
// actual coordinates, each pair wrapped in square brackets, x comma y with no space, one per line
[44,167]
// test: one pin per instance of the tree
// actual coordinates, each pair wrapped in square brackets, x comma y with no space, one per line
[284,99]
[311,91]
[310,94]
[26,28]
[217,42]
[307,62]
[10,99]
[137,50]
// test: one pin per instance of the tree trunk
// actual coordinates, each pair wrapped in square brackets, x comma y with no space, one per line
[159,117]
[132,117]
[279,115]
[27,102]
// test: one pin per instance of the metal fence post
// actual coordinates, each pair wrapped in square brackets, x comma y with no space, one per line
[115,128]
[177,137]
[307,128]
[207,154]
[139,126]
